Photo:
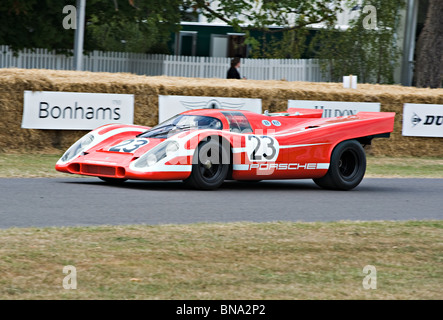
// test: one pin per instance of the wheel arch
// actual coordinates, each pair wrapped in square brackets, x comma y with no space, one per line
[364,141]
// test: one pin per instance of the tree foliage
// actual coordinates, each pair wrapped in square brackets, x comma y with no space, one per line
[261,15]
[134,25]
[33,23]
[371,54]
[123,25]
[282,24]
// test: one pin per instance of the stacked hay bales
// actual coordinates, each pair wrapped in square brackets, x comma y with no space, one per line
[274,95]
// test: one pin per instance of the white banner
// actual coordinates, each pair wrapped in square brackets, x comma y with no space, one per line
[75,110]
[422,120]
[336,108]
[169,106]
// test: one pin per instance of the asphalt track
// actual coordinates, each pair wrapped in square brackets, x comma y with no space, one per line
[89,201]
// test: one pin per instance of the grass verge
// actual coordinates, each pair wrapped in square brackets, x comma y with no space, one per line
[279,260]
[405,167]
[42,165]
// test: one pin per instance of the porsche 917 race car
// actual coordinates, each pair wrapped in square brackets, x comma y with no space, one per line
[208,146]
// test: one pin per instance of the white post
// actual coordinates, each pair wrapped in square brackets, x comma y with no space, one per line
[165,67]
[407,64]
[270,66]
[79,35]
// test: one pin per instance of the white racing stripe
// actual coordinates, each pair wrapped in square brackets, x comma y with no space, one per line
[240,150]
[170,168]
[300,145]
[281,166]
[240,167]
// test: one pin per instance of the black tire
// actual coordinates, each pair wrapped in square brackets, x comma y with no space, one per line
[347,167]
[205,174]
[113,180]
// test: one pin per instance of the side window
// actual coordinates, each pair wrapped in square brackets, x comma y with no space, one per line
[237,122]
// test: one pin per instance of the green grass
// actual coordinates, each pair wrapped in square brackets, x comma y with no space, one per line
[29,165]
[42,165]
[275,260]
[405,167]
[279,260]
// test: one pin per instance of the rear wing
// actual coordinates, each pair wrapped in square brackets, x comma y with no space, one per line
[305,113]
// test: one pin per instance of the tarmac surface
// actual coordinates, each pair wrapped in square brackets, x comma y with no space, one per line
[40,202]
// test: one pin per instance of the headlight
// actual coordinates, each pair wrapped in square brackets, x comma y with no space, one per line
[156,154]
[86,140]
[171,148]
[77,148]
[151,159]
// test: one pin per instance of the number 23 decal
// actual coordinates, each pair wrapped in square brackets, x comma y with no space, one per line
[262,148]
[129,145]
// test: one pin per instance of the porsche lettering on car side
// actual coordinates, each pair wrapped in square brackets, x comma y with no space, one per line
[205,147]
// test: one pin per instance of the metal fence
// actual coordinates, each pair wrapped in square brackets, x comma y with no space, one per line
[169,65]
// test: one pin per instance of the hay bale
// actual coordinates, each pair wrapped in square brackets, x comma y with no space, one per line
[274,94]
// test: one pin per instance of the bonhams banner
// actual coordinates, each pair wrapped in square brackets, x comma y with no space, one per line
[423,120]
[336,108]
[169,106]
[75,110]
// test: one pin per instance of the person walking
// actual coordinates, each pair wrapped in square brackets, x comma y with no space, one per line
[233,70]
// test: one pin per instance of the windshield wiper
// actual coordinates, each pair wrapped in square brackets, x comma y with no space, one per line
[155,129]
[185,126]
[153,132]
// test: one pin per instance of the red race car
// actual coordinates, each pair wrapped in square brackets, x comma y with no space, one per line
[207,146]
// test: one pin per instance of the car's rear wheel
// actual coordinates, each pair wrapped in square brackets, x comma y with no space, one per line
[347,167]
[208,169]
[113,180]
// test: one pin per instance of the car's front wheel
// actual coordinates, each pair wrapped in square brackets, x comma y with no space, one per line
[208,169]
[347,167]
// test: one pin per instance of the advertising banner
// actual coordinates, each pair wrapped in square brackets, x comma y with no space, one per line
[422,120]
[169,106]
[75,110]
[336,108]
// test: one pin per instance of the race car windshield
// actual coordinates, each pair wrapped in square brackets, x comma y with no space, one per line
[180,123]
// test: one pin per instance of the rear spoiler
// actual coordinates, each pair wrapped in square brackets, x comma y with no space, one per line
[305,113]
